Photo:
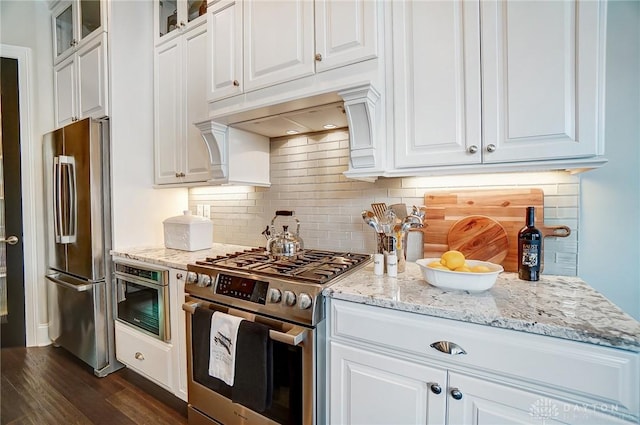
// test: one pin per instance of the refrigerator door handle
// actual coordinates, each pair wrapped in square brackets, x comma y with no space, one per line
[66,229]
[79,288]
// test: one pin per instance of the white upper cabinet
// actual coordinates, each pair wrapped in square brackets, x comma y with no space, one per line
[260,43]
[541,64]
[345,32]
[224,22]
[81,82]
[73,22]
[175,16]
[278,41]
[496,82]
[180,102]
[436,59]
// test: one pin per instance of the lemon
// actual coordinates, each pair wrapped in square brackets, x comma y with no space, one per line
[452,259]
[462,269]
[480,269]
[437,265]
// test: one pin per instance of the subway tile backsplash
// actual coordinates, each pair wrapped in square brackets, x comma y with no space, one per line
[306,176]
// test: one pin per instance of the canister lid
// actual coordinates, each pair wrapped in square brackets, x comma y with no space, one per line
[186,218]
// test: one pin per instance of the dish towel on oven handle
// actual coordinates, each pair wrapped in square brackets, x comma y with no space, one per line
[222,340]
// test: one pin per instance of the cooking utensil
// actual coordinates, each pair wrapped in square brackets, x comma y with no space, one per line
[479,238]
[379,208]
[400,210]
[285,243]
[371,220]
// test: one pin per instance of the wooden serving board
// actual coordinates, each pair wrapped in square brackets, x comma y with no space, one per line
[505,206]
[479,238]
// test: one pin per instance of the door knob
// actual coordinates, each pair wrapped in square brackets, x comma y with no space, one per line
[11,240]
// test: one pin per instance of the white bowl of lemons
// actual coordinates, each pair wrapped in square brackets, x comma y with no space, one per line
[453,271]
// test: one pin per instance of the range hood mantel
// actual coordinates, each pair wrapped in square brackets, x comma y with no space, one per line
[360,105]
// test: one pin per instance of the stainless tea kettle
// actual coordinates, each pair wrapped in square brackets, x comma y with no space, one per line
[284,244]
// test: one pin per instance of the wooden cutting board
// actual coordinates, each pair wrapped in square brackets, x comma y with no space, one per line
[479,238]
[506,206]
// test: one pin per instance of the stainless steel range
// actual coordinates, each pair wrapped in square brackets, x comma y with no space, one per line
[284,294]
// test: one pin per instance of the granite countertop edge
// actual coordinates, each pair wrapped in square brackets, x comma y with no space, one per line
[556,306]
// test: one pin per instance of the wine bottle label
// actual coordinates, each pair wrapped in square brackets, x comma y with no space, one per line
[530,253]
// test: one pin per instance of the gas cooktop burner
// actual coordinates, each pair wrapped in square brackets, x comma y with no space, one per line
[312,266]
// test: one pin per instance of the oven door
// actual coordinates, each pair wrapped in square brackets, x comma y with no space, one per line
[293,375]
[143,305]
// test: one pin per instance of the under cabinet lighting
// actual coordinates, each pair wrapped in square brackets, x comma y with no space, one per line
[292,132]
[329,126]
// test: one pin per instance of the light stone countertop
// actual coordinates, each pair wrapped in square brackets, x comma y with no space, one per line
[559,306]
[175,258]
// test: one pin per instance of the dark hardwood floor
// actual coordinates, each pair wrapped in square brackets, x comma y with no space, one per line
[49,386]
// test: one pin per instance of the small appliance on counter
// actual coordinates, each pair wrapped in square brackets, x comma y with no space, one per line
[188,232]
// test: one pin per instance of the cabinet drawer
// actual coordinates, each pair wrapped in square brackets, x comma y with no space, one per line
[144,354]
[587,371]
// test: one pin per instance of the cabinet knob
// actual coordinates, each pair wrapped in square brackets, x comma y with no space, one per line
[180,174]
[139,355]
[236,83]
[182,24]
[472,149]
[435,388]
[456,393]
[491,148]
[179,276]
[318,57]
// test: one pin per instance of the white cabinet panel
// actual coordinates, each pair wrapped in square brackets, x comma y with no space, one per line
[278,41]
[225,52]
[93,83]
[541,69]
[373,389]
[195,154]
[168,69]
[346,32]
[437,83]
[144,354]
[181,154]
[65,82]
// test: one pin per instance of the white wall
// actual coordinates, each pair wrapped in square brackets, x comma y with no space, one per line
[610,213]
[138,208]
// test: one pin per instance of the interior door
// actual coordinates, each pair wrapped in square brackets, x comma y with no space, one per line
[12,298]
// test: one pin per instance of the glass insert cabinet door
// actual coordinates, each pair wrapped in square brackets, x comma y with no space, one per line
[174,14]
[73,22]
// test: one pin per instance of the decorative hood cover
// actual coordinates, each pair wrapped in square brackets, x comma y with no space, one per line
[357,108]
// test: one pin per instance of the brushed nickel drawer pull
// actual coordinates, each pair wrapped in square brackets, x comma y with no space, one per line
[139,355]
[448,347]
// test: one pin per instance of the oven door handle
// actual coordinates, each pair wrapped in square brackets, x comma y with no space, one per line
[294,335]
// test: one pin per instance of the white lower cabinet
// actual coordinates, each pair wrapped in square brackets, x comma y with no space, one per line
[164,363]
[384,369]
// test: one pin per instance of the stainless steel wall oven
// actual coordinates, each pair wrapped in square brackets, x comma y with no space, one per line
[142,296]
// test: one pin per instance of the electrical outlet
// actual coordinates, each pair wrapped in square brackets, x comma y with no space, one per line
[199,210]
[206,210]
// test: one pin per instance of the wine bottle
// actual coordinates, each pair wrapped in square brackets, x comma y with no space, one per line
[529,249]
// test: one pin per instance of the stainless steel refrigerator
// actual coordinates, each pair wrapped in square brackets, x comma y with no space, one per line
[78,225]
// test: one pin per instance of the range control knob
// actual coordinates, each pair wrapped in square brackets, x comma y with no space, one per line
[304,301]
[289,298]
[274,295]
[192,277]
[204,280]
